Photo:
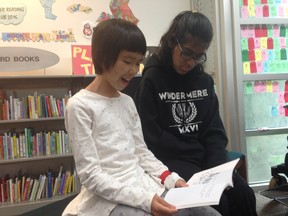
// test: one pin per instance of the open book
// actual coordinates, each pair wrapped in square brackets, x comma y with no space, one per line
[205,187]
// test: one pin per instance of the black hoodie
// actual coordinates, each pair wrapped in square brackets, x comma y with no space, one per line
[180,118]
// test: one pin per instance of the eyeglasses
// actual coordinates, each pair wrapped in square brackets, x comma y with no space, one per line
[186,55]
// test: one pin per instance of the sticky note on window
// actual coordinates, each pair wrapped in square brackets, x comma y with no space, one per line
[258,56]
[246,67]
[275,86]
[251,11]
[248,88]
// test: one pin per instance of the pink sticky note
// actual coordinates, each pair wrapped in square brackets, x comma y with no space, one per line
[263,86]
[257,43]
[251,31]
[244,31]
[257,86]
[281,97]
[244,12]
[281,11]
[259,66]
[283,42]
[275,86]
[281,109]
[264,55]
[276,31]
[259,11]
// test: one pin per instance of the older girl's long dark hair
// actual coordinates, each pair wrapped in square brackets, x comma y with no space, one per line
[187,22]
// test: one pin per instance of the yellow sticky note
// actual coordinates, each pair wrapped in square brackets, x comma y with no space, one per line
[263,42]
[258,55]
[251,11]
[251,2]
[246,67]
[269,86]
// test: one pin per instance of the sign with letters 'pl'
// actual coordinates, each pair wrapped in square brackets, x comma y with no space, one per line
[14,59]
[82,60]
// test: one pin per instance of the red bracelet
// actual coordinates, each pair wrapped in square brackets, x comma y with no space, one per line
[164,175]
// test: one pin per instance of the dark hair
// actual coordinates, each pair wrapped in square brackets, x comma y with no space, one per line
[112,36]
[185,23]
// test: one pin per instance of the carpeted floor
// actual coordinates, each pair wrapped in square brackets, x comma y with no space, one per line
[269,207]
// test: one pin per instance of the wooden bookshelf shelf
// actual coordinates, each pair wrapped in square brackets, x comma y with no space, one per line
[33,166]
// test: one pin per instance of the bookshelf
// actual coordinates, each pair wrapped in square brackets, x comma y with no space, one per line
[36,164]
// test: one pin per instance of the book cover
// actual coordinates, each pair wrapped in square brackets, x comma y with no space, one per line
[34,190]
[45,106]
[47,143]
[23,180]
[26,188]
[62,184]
[1,108]
[5,110]
[42,182]
[5,146]
[205,187]
[11,190]
[30,188]
[3,189]
[49,184]
[49,108]
[66,183]
[1,148]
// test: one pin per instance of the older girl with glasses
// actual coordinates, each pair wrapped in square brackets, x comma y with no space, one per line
[179,109]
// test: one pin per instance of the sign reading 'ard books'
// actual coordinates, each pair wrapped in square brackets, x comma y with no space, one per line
[13,59]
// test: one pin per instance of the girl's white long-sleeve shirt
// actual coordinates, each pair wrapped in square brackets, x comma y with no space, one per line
[112,160]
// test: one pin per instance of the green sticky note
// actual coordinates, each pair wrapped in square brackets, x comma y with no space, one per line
[273,10]
[272,67]
[278,66]
[244,44]
[282,31]
[248,88]
[283,67]
[269,31]
[283,54]
[276,44]
[245,57]
[277,55]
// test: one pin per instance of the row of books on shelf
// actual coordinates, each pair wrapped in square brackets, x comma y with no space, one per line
[32,144]
[26,188]
[32,107]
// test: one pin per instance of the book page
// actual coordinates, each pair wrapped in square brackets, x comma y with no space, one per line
[205,188]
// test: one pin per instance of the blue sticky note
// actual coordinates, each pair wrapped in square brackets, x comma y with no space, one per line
[270,55]
[274,111]
[265,66]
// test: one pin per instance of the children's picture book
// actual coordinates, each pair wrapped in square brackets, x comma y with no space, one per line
[205,187]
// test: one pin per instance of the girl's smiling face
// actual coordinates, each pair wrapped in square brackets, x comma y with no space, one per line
[124,69]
